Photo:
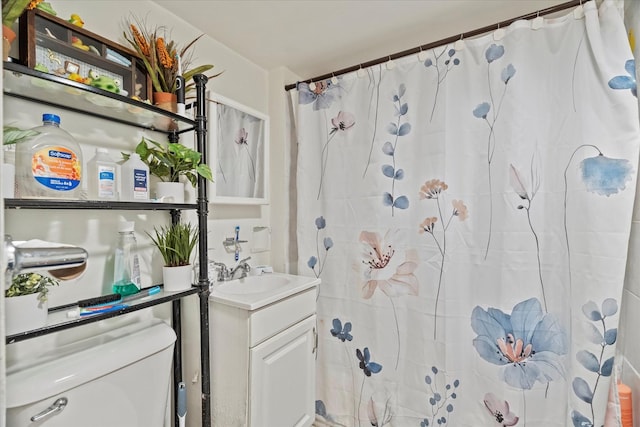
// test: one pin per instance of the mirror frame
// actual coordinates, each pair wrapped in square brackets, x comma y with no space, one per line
[214,140]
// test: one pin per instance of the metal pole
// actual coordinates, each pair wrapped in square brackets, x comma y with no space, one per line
[442,42]
[203,280]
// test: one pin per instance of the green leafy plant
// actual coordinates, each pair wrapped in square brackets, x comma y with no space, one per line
[13,135]
[30,283]
[172,161]
[176,243]
[12,9]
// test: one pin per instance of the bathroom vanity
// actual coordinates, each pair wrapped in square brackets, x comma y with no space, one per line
[263,341]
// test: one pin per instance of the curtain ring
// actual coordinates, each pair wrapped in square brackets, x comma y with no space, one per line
[422,56]
[390,64]
[578,12]
[537,22]
[498,34]
[459,44]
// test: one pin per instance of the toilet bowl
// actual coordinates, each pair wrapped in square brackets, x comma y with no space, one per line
[118,378]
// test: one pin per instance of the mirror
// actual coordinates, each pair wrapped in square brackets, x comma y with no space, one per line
[239,142]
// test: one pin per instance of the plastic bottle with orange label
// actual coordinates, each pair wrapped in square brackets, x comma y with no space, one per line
[49,165]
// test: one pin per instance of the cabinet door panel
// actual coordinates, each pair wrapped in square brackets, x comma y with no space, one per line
[282,389]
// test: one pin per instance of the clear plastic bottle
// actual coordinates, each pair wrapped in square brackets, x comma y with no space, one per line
[49,165]
[135,179]
[102,174]
[126,269]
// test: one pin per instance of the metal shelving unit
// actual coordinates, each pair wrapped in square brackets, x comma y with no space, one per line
[95,204]
[58,320]
[34,86]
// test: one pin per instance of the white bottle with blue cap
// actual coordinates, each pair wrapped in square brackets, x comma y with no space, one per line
[49,165]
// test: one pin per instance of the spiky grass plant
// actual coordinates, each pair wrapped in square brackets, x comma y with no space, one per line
[176,243]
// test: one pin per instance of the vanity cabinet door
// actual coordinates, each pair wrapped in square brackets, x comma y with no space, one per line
[282,385]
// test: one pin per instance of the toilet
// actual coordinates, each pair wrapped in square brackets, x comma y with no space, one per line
[117,378]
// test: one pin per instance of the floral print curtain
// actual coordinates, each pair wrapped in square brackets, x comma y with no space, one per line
[468,210]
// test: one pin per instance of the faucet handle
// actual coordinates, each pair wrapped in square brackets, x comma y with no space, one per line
[223,270]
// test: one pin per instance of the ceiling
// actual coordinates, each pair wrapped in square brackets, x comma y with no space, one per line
[315,37]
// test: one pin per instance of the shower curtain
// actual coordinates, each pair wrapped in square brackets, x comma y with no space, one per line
[468,211]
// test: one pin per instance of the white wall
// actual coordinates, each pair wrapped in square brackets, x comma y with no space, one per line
[241,81]
[281,193]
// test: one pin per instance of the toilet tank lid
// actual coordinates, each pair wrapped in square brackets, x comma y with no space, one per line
[62,370]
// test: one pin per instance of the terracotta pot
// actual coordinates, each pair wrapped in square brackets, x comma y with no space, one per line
[166,101]
[8,36]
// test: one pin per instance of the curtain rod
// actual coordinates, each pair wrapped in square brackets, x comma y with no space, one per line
[441,42]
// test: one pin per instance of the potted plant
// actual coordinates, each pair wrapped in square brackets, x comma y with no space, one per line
[11,11]
[164,60]
[176,243]
[10,136]
[26,302]
[169,163]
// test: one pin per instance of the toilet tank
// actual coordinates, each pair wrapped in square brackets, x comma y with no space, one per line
[117,378]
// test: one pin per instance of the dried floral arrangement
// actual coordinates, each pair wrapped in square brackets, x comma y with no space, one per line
[164,59]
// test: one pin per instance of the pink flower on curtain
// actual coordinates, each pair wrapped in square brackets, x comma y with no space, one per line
[433,189]
[427,225]
[460,210]
[379,416]
[393,275]
[387,271]
[341,123]
[500,410]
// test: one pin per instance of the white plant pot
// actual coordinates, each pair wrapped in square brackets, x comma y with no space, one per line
[177,278]
[24,313]
[170,192]
[8,180]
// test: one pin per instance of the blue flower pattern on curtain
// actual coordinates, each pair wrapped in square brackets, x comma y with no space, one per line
[523,212]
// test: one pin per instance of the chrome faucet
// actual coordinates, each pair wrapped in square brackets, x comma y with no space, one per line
[226,273]
[243,267]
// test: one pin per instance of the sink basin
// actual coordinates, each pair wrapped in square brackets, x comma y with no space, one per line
[254,284]
[254,292]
